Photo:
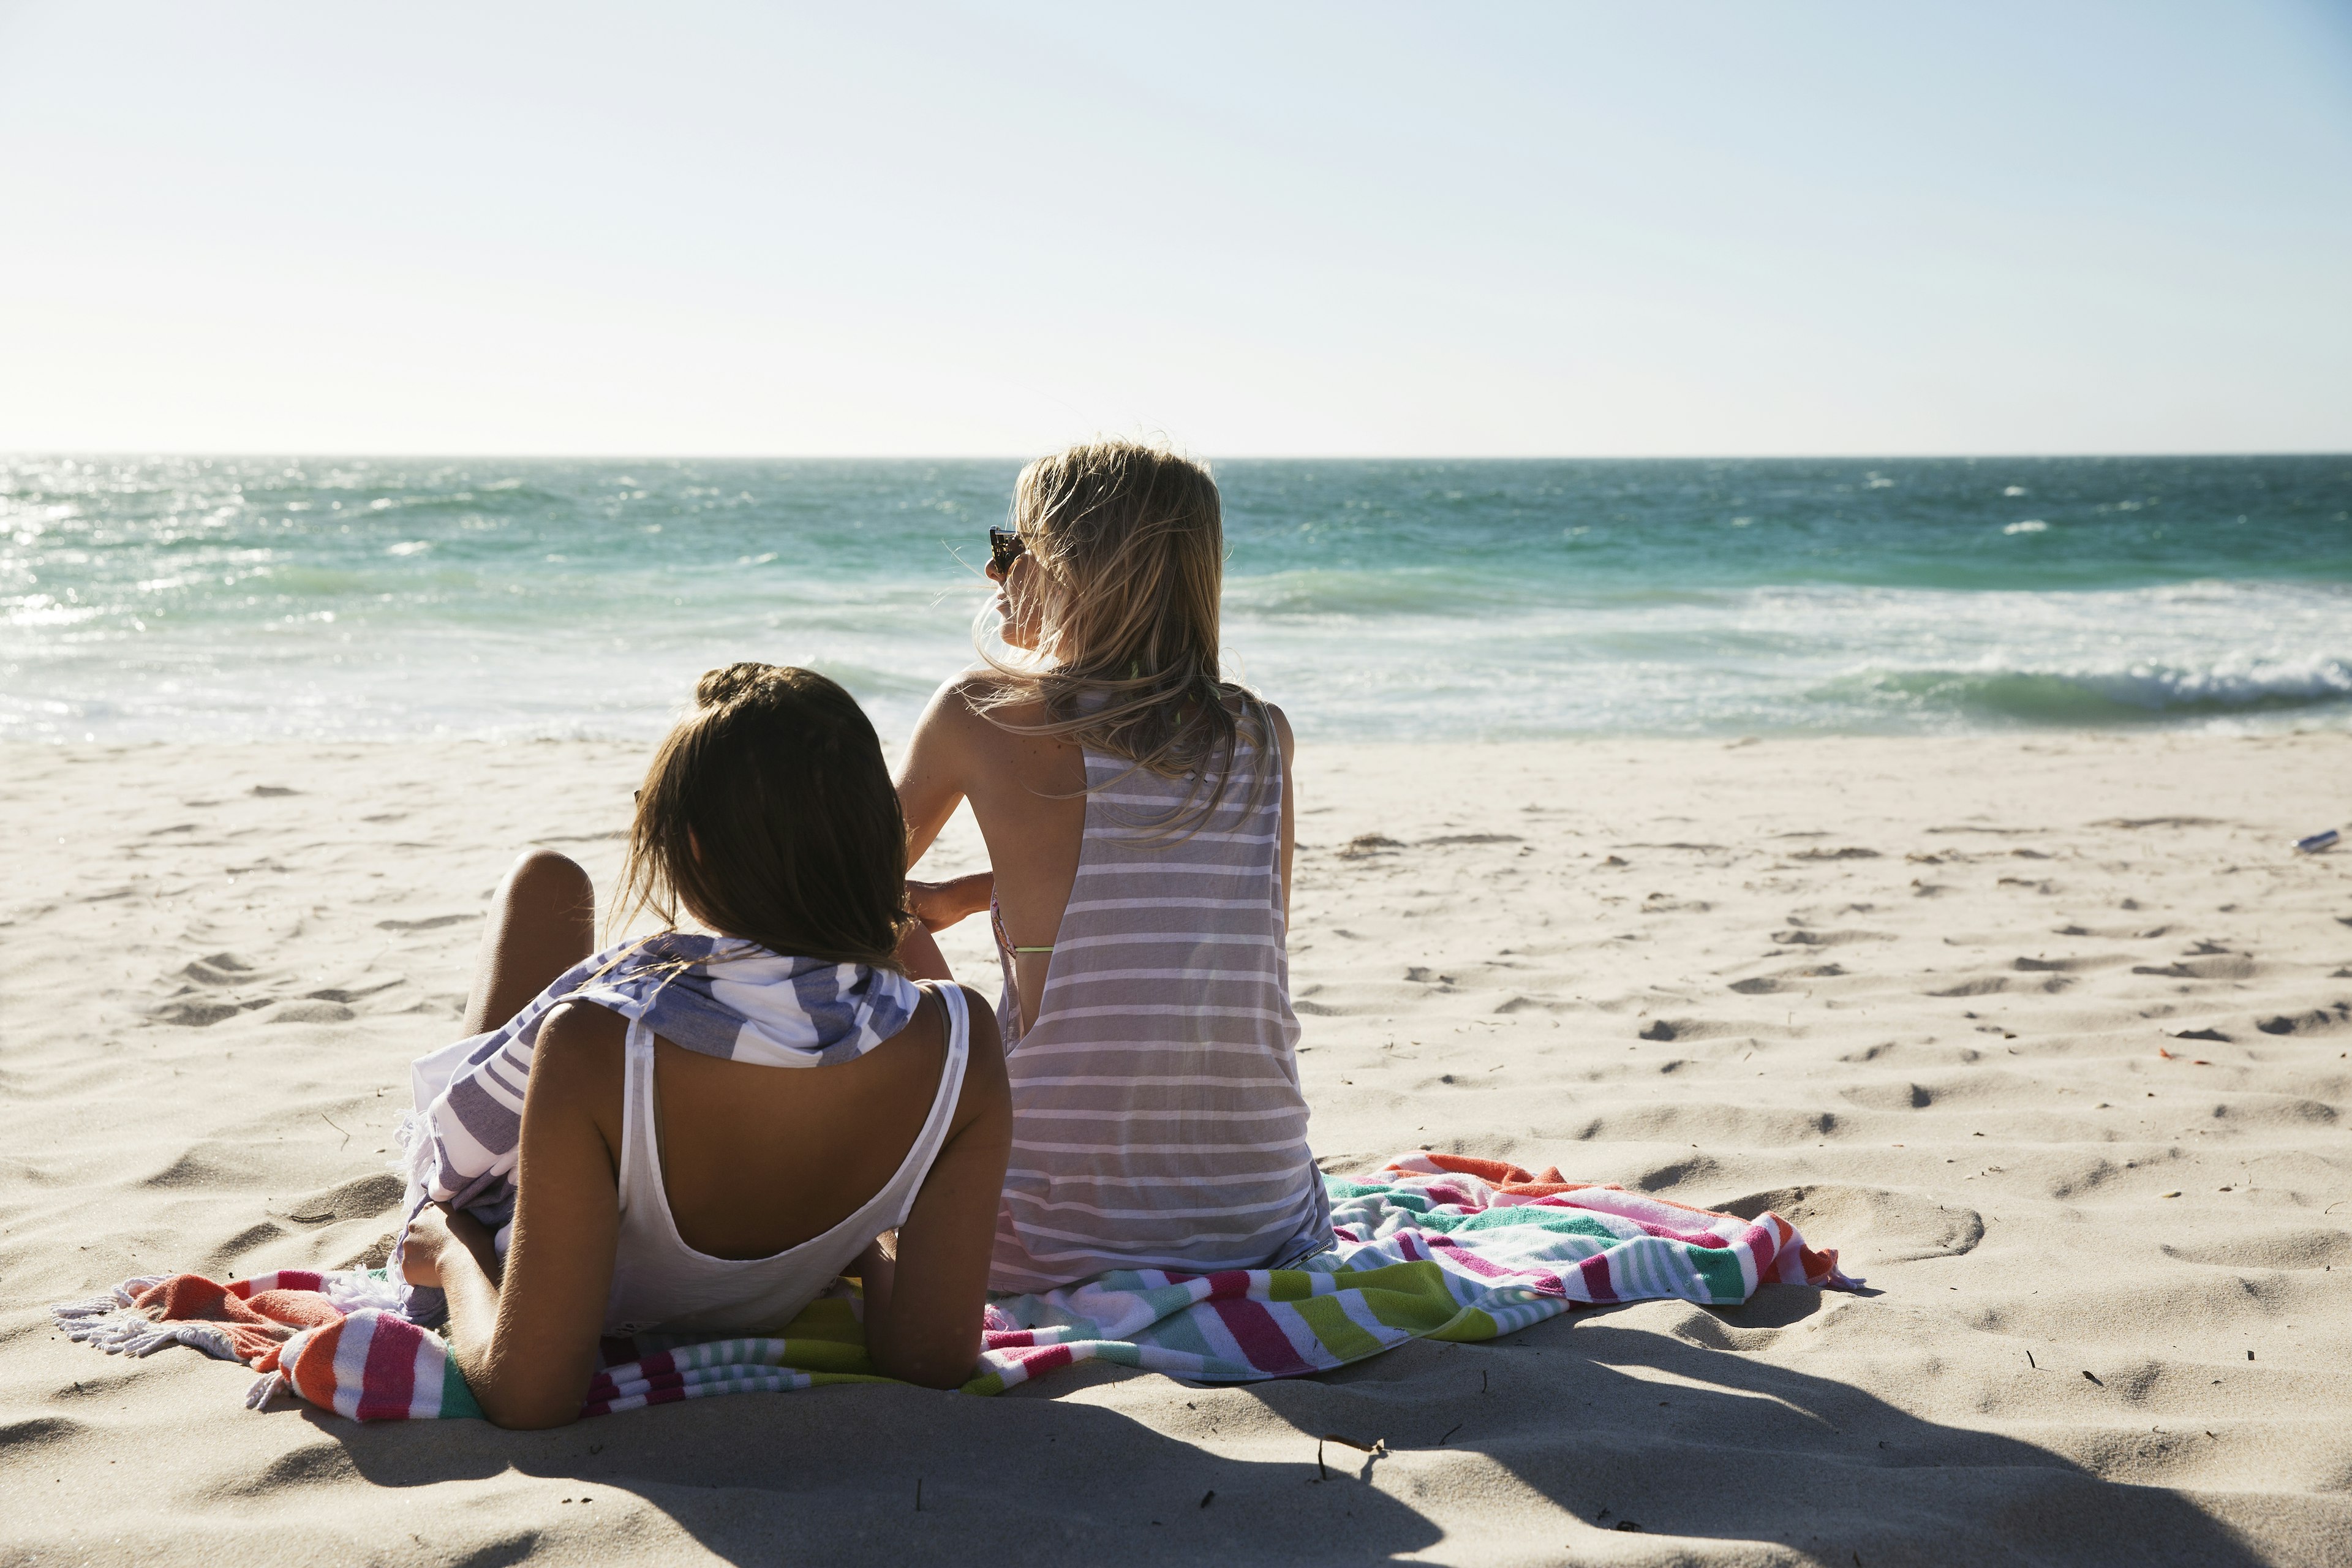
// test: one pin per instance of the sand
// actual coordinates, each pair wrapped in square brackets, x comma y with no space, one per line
[1915,995]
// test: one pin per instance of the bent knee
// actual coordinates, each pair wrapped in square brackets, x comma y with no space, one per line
[549,875]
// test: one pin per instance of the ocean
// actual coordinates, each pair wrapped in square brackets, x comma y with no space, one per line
[181,598]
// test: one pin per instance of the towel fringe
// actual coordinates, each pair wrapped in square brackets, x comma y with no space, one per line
[114,1300]
[414,1161]
[124,1331]
[356,1289]
[264,1386]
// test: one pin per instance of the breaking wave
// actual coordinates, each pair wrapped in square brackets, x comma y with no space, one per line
[2134,693]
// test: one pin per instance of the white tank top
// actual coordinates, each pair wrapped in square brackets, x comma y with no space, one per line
[660,1283]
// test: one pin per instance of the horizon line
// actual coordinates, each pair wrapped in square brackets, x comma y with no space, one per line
[486,454]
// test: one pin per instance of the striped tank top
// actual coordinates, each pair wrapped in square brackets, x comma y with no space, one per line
[1157,1119]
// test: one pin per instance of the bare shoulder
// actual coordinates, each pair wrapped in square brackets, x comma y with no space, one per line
[1281,722]
[960,711]
[987,1094]
[963,699]
[579,1056]
[958,692]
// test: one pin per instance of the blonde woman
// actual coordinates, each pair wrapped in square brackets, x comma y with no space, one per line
[1138,813]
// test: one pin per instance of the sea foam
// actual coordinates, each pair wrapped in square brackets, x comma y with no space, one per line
[379,598]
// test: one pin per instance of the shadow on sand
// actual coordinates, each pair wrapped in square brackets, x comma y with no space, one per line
[1618,1427]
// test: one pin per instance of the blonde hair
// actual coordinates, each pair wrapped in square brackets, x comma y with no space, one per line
[1129,541]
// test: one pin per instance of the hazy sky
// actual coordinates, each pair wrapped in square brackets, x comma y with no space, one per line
[1572,229]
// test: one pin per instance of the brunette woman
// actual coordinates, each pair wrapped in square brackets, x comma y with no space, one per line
[666,1173]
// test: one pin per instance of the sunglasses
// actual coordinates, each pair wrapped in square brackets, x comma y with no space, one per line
[1005,547]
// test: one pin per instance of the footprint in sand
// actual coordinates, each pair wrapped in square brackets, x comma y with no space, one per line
[1985,985]
[1801,937]
[221,971]
[432,922]
[1524,1004]
[1764,985]
[1869,1224]
[2221,966]
[2314,1022]
[195,1014]
[361,1197]
[353,992]
[1890,1097]
[309,1012]
[2069,966]
[2301,1248]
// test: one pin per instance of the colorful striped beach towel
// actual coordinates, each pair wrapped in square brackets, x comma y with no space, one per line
[1434,1247]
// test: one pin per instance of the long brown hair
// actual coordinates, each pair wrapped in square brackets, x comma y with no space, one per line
[1129,540]
[770,814]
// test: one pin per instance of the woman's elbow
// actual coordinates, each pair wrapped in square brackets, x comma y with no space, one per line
[942,1375]
[931,1369]
[533,1414]
[529,1403]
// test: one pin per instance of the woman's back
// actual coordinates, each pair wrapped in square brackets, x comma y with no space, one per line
[1158,1121]
[743,1191]
[1136,808]
[754,1160]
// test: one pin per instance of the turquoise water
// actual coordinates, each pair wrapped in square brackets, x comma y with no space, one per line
[387,598]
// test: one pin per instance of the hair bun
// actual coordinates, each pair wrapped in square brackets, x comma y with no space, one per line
[718,687]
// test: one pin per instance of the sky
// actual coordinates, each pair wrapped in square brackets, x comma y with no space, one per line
[1565,230]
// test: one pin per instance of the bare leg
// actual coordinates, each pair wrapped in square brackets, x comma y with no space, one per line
[921,957]
[542,921]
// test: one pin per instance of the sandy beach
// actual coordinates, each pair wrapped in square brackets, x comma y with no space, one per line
[2047,1035]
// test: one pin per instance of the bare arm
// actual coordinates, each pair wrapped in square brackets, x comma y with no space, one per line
[1289,810]
[527,1342]
[934,767]
[932,774]
[923,1312]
